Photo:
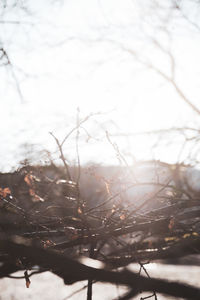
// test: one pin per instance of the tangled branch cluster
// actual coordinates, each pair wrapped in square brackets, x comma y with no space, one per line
[46,222]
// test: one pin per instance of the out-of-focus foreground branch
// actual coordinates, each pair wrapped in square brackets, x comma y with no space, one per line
[76,270]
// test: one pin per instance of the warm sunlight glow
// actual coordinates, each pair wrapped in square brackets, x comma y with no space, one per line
[115,67]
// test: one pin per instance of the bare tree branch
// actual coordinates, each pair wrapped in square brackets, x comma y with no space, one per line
[73,271]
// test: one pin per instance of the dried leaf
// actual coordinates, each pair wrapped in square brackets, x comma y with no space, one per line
[37,198]
[122,217]
[28,282]
[80,211]
[4,192]
[28,179]
[48,243]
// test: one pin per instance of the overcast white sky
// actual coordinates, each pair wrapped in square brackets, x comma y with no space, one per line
[88,54]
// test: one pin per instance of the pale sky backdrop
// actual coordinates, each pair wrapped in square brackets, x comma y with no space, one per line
[93,54]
